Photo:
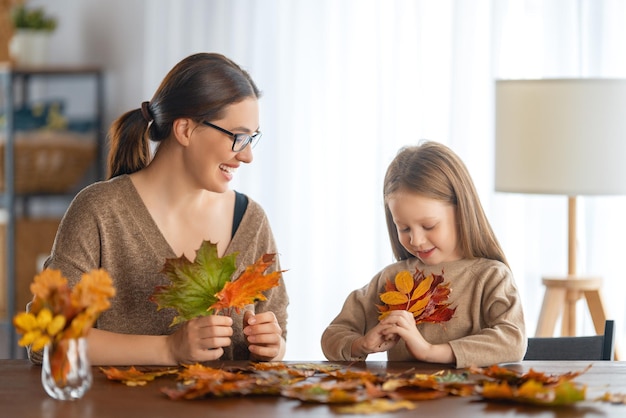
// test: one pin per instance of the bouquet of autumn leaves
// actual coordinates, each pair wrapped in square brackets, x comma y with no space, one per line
[59,313]
[205,286]
[424,296]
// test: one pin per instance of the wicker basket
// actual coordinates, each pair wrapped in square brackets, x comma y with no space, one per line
[49,161]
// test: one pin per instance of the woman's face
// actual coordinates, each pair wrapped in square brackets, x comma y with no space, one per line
[426,227]
[209,156]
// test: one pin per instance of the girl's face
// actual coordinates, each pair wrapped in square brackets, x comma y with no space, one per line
[209,156]
[426,227]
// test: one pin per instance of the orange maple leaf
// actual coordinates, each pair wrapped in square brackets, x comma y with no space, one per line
[424,296]
[249,287]
[133,376]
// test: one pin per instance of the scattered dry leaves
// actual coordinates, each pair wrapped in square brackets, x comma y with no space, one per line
[356,391]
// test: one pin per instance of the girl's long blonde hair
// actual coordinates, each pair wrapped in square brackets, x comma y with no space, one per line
[433,170]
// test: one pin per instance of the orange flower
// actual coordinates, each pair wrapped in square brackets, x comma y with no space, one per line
[93,291]
[47,282]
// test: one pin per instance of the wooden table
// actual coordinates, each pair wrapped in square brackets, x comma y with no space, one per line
[21,395]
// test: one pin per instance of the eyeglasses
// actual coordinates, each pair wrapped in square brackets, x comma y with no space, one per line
[240,141]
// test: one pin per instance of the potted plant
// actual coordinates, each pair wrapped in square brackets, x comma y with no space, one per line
[32,30]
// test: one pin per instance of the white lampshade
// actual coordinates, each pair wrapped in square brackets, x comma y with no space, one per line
[561,136]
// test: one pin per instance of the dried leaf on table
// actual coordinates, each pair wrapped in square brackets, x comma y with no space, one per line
[513,377]
[533,392]
[532,387]
[374,406]
[327,392]
[614,398]
[133,376]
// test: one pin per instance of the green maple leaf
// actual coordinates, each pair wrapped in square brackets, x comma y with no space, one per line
[194,284]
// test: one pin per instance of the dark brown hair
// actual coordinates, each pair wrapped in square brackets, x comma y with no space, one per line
[199,87]
[434,171]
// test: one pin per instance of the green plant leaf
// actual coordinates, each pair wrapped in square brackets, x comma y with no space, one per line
[194,284]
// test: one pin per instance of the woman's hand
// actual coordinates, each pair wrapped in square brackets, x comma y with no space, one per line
[264,336]
[200,339]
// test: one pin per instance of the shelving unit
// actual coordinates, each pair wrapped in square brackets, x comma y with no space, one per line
[15,87]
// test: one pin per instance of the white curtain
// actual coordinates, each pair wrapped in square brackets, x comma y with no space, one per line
[348,82]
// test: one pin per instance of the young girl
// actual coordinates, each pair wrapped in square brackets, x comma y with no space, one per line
[204,119]
[437,225]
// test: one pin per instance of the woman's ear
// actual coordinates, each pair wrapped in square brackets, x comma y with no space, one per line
[182,129]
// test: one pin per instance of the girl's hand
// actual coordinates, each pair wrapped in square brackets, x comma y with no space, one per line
[374,341]
[402,325]
[264,336]
[200,339]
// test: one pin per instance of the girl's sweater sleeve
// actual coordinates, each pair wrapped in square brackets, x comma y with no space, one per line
[358,315]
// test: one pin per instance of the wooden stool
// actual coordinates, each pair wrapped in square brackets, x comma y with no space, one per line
[561,297]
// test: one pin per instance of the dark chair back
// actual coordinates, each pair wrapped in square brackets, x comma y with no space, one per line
[596,347]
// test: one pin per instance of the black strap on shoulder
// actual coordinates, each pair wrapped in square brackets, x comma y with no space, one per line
[241,204]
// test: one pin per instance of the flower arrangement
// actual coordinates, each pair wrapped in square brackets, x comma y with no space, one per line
[57,321]
[58,312]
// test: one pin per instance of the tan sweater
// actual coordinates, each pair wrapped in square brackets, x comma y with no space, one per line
[108,226]
[487,327]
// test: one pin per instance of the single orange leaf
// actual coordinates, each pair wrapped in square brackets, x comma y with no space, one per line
[404,282]
[423,287]
[133,376]
[394,298]
[419,306]
[374,406]
[248,288]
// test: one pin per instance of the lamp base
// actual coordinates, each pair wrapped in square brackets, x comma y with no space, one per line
[561,296]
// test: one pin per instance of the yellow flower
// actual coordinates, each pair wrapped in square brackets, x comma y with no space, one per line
[56,325]
[43,318]
[29,337]
[24,322]
[40,342]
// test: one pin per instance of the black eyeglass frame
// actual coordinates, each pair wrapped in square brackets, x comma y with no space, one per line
[243,140]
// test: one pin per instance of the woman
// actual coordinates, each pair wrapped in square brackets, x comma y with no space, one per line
[204,120]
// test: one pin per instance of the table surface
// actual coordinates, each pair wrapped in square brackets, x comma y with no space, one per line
[22,395]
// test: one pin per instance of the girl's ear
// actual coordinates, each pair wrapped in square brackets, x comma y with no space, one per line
[182,129]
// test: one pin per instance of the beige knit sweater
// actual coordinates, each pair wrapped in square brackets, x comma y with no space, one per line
[487,327]
[108,226]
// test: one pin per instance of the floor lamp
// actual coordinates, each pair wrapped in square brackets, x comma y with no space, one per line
[565,137]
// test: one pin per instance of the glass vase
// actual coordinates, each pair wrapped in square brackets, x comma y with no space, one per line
[66,372]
